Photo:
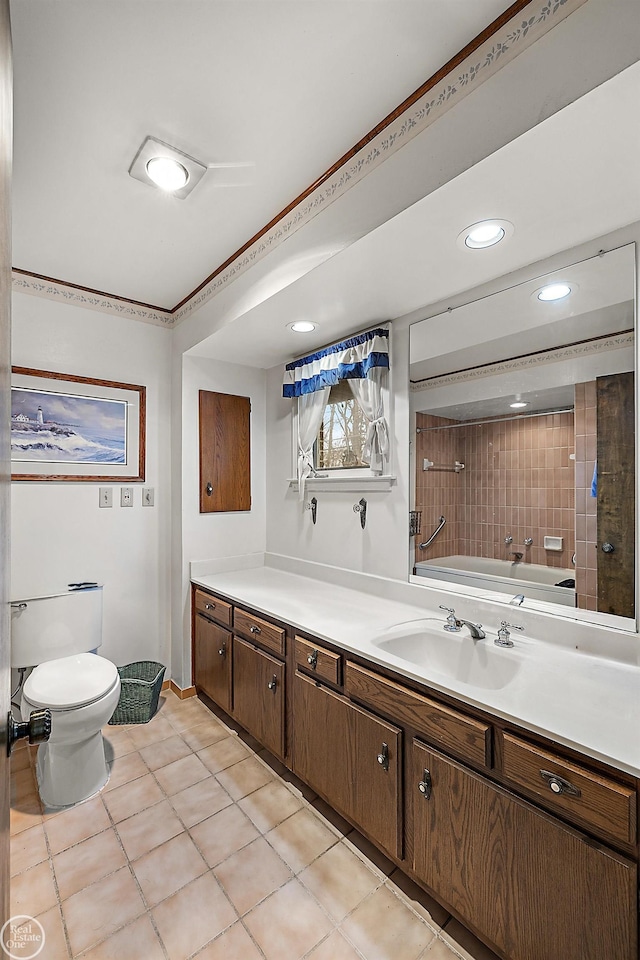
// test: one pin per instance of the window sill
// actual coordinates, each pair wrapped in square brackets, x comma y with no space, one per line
[379,484]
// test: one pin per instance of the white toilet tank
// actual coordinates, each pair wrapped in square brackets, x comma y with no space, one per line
[58,625]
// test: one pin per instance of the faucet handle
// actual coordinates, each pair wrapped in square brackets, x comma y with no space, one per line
[448,609]
[453,625]
[504,635]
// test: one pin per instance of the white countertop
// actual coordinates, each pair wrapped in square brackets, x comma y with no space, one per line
[586,702]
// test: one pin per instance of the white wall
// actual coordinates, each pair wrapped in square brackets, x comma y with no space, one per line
[59,534]
[215,535]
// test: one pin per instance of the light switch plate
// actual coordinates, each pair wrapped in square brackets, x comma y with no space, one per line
[147,496]
[106,497]
[126,496]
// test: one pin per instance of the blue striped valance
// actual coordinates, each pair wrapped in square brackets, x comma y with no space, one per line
[349,360]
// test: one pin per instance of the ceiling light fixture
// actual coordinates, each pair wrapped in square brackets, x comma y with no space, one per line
[554,291]
[302,326]
[160,165]
[518,405]
[485,233]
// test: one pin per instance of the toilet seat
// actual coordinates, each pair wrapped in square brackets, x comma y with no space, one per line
[70,681]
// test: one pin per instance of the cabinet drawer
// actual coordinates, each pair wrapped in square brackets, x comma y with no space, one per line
[592,798]
[259,631]
[213,608]
[320,661]
[453,731]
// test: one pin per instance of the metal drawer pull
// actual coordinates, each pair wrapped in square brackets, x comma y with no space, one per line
[254,629]
[425,785]
[209,606]
[273,683]
[558,784]
[383,757]
[223,650]
[312,659]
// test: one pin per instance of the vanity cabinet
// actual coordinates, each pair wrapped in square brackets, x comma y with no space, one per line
[534,887]
[259,694]
[352,758]
[532,845]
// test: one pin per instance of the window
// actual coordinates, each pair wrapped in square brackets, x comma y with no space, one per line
[342,433]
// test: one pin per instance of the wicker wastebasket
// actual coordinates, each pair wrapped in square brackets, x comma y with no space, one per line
[140,686]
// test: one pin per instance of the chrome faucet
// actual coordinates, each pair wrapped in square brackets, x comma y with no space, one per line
[455,624]
[518,600]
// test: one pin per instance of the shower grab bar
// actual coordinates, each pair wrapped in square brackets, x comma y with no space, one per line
[430,465]
[441,523]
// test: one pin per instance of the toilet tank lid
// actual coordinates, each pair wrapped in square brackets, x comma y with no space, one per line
[71,681]
[55,593]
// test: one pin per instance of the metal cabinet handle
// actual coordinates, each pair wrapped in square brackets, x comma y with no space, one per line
[383,757]
[273,683]
[558,784]
[223,650]
[424,786]
[209,488]
[312,659]
[209,606]
[254,629]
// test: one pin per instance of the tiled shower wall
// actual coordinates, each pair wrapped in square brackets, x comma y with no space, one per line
[586,505]
[518,481]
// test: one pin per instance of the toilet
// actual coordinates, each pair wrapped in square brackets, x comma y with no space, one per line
[57,635]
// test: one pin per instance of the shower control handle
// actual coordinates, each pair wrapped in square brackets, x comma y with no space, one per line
[37,728]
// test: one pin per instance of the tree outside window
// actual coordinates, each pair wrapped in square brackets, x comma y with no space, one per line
[342,433]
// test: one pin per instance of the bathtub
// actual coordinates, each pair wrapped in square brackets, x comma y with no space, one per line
[532,579]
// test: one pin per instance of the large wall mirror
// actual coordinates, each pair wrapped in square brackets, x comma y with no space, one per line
[523,412]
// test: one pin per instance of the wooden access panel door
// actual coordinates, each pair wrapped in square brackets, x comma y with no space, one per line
[212,660]
[352,758]
[259,695]
[225,452]
[616,493]
[535,888]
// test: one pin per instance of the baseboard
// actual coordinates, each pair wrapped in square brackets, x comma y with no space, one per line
[182,694]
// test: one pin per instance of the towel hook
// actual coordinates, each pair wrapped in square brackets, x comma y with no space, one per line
[361,508]
[313,506]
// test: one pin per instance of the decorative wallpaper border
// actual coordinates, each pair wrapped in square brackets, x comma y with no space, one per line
[517,35]
[575,350]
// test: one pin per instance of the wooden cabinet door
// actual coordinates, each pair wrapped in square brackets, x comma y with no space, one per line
[259,695]
[212,661]
[352,758]
[536,889]
[225,452]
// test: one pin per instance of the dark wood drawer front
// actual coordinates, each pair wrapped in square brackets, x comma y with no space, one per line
[213,608]
[591,798]
[259,631]
[320,661]
[450,730]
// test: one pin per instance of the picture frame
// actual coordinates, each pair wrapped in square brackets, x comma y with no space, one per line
[76,429]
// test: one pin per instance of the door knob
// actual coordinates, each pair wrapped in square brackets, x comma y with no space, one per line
[608,547]
[37,728]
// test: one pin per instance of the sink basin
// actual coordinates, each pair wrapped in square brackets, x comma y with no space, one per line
[454,656]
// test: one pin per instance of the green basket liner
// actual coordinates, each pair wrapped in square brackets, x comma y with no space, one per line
[140,686]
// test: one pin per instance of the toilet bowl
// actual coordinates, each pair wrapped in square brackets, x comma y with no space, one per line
[81,692]
[57,635]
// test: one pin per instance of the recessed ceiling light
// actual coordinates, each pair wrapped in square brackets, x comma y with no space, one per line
[167,173]
[485,233]
[302,326]
[518,405]
[160,165]
[554,291]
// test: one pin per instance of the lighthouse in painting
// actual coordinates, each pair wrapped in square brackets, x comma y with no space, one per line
[39,416]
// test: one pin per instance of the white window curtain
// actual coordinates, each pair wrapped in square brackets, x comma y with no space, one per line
[368,393]
[361,360]
[310,412]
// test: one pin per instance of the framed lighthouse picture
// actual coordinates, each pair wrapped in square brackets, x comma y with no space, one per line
[70,428]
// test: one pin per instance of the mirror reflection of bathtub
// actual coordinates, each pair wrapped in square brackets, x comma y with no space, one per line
[534,581]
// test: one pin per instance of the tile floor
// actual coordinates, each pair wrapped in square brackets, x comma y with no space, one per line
[201,845]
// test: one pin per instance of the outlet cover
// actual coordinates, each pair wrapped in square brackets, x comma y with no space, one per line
[106,497]
[126,496]
[147,496]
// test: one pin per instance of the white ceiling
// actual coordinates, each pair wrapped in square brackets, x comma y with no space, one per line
[285,85]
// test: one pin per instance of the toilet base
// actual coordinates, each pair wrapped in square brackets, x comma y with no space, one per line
[71,772]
